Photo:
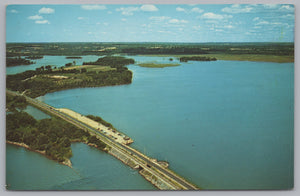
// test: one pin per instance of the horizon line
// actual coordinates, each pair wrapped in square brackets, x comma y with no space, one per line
[147,42]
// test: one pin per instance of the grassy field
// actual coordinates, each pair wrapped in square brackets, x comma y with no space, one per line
[91,68]
[254,57]
[37,83]
[242,57]
[158,65]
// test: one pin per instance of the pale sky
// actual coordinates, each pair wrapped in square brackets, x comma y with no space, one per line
[150,23]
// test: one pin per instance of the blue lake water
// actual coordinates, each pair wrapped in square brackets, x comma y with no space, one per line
[221,125]
[57,61]
[92,170]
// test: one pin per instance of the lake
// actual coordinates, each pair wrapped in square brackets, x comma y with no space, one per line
[55,61]
[221,124]
[92,170]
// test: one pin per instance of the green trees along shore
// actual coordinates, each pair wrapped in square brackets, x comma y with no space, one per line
[112,61]
[45,80]
[52,136]
[264,51]
[100,120]
[17,61]
[196,58]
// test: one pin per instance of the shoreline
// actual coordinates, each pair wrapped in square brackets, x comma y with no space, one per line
[158,65]
[235,57]
[160,182]
[67,162]
[160,185]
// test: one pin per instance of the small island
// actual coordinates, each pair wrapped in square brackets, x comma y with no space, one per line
[73,57]
[158,65]
[196,58]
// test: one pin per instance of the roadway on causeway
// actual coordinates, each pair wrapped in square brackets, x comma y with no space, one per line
[171,178]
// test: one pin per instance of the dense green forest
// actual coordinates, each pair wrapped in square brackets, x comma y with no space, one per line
[13,102]
[38,83]
[112,61]
[79,49]
[54,136]
[17,61]
[44,80]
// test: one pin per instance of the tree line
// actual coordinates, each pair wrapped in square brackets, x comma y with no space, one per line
[17,61]
[42,84]
[54,136]
[196,58]
[79,49]
[112,61]
[13,102]
[100,120]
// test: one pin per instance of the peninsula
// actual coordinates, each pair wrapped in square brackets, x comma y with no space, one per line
[17,61]
[50,137]
[107,71]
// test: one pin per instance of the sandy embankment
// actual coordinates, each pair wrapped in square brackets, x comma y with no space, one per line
[57,77]
[117,136]
[67,162]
